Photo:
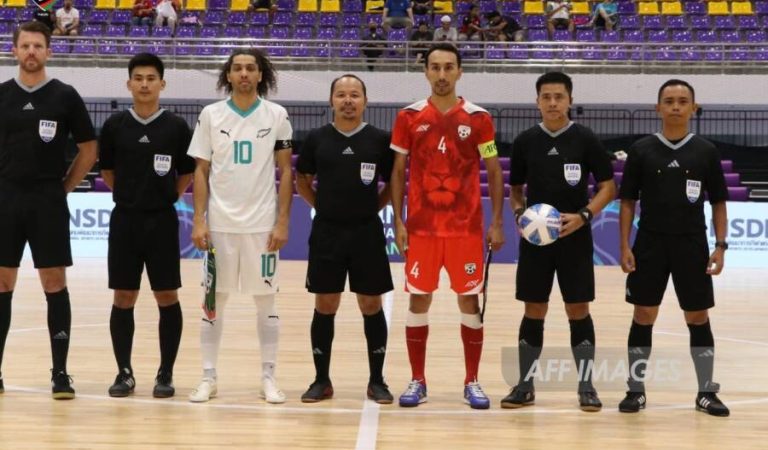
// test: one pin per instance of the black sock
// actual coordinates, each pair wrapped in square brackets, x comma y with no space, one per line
[375,327]
[59,327]
[5,320]
[169,328]
[322,341]
[121,327]
[583,348]
[703,354]
[530,342]
[639,346]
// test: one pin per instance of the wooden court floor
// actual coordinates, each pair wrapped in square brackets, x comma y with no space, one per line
[30,419]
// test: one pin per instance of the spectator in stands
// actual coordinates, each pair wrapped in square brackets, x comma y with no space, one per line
[471,29]
[420,41]
[166,12]
[67,20]
[397,14]
[264,5]
[44,16]
[605,15]
[501,28]
[143,12]
[373,47]
[446,32]
[424,7]
[559,16]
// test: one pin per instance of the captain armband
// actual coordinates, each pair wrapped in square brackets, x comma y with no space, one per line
[488,149]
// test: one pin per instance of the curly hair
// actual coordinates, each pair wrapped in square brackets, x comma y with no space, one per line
[268,81]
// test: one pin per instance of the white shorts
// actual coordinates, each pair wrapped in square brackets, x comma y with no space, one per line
[244,265]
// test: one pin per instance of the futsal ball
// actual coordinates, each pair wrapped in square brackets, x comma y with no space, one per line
[540,224]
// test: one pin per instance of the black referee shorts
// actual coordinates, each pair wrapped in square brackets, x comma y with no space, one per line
[37,215]
[570,258]
[137,238]
[359,249]
[685,257]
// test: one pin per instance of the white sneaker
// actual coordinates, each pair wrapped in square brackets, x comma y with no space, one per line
[270,392]
[205,391]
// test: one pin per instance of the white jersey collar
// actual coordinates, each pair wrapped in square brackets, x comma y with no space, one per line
[557,133]
[666,142]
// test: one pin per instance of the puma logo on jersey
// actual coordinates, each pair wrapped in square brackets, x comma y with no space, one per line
[422,128]
[144,139]
[28,107]
[226,132]
[674,163]
[553,152]
[268,282]
[348,151]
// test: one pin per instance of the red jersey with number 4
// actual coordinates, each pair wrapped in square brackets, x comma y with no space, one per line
[444,152]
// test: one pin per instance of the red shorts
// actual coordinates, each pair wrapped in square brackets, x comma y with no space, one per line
[462,257]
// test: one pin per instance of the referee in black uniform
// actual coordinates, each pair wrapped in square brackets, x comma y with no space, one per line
[348,158]
[555,159]
[143,159]
[37,116]
[669,172]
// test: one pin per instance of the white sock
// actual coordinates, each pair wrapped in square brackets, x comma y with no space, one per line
[210,337]
[269,332]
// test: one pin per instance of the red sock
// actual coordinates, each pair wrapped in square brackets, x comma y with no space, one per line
[416,339]
[473,349]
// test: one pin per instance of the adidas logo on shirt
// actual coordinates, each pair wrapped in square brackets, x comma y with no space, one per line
[28,107]
[673,164]
[144,139]
[348,151]
[553,152]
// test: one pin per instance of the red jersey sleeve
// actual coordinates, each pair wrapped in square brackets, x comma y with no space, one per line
[401,136]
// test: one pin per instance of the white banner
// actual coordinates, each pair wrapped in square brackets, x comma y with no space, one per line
[747,234]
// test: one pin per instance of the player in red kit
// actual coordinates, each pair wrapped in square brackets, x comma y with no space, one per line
[444,138]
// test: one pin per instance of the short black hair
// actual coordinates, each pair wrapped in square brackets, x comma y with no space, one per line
[446,47]
[349,75]
[676,82]
[32,27]
[268,74]
[555,78]
[146,60]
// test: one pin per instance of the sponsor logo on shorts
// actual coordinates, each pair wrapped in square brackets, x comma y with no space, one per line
[472,283]
[470,268]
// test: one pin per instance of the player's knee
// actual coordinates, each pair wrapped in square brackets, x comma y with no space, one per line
[577,311]
[419,303]
[125,299]
[369,304]
[53,279]
[645,315]
[536,310]
[166,298]
[265,304]
[327,303]
[696,317]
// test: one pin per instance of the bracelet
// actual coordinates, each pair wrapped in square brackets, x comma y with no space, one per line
[586,214]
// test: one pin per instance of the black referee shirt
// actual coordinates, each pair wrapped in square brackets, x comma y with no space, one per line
[146,156]
[556,166]
[348,167]
[34,127]
[670,181]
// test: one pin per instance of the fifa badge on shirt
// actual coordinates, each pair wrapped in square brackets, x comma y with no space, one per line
[162,164]
[692,190]
[367,173]
[572,173]
[47,130]
[464,131]
[470,268]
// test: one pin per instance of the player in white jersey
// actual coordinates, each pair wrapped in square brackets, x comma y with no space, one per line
[237,143]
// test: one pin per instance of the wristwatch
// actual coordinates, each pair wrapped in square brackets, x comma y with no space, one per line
[586,214]
[721,244]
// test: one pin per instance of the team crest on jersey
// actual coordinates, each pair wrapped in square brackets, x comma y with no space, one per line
[162,164]
[470,268]
[464,131]
[263,133]
[47,130]
[572,173]
[692,190]
[367,173]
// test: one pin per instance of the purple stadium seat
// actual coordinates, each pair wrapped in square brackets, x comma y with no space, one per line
[233,32]
[462,7]
[327,33]
[495,52]
[626,8]
[215,18]
[517,51]
[210,32]
[372,17]
[713,54]
[306,19]
[756,36]
[738,194]
[5,29]
[610,36]
[84,47]
[510,8]
[666,53]
[727,165]
[91,30]
[658,36]
[300,51]
[138,31]
[676,23]
[96,16]
[183,49]
[186,32]
[329,19]
[282,18]
[350,20]
[542,53]
[304,33]
[730,36]
[748,23]
[707,36]
[121,16]
[256,32]
[700,22]
[204,49]
[533,22]
[26,15]
[397,35]
[630,23]
[100,186]
[738,54]
[133,48]
[537,34]
[633,36]
[279,33]
[161,32]
[260,18]
[59,46]
[115,31]
[349,50]
[487,6]
[83,4]
[562,36]
[732,179]
[218,5]
[761,8]
[682,36]
[586,36]
[286,5]
[350,34]
[237,18]
[695,8]
[724,23]
[652,23]
[8,14]
[352,6]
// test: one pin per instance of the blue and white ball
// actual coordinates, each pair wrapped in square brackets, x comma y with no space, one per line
[540,224]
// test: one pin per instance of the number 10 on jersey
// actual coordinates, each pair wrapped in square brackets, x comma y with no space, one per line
[243,152]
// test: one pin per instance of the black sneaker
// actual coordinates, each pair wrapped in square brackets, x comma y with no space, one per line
[61,386]
[379,393]
[710,404]
[589,401]
[633,402]
[318,391]
[518,398]
[124,384]
[163,385]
